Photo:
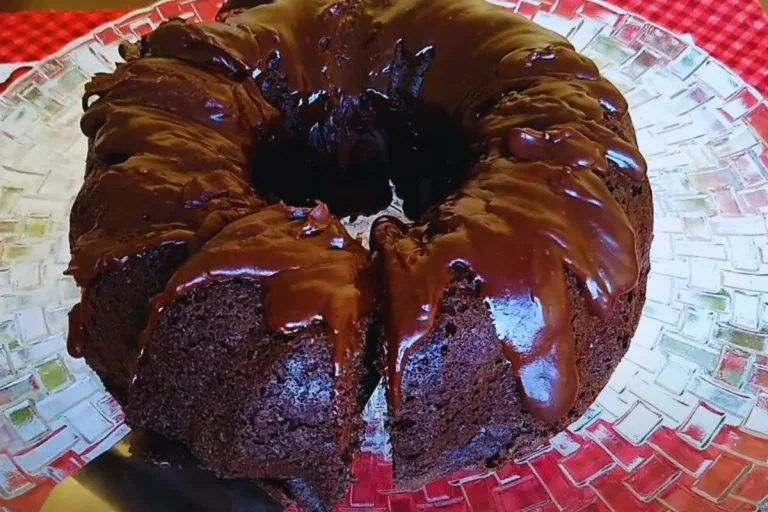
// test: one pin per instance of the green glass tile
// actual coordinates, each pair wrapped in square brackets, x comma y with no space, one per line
[72,80]
[37,226]
[21,417]
[8,198]
[719,303]
[15,252]
[35,96]
[53,374]
[702,356]
[611,49]
[750,340]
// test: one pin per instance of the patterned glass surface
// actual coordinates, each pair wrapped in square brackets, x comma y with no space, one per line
[683,422]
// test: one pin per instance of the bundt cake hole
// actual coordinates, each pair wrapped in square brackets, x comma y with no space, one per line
[114,159]
[348,150]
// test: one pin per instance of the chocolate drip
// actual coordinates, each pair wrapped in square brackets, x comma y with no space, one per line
[176,128]
[150,202]
[194,94]
[311,270]
[518,227]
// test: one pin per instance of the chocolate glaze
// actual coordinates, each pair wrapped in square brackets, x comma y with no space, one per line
[518,226]
[530,205]
[207,98]
[297,254]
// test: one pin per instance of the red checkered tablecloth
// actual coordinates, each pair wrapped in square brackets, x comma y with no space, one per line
[683,426]
[734,31]
[29,36]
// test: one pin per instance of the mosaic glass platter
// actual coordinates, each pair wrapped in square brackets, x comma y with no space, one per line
[683,422]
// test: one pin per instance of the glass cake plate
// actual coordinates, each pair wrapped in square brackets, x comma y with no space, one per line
[682,424]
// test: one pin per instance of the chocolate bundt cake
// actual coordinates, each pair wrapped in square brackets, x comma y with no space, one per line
[228,309]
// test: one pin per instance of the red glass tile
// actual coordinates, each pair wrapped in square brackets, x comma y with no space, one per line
[678,497]
[124,26]
[614,493]
[741,103]
[12,479]
[586,463]
[718,479]
[734,363]
[750,173]
[32,499]
[656,506]
[526,9]
[441,490]
[560,488]
[600,12]
[739,442]
[701,425]
[206,10]
[382,474]
[651,478]
[366,490]
[731,503]
[401,502]
[758,119]
[479,493]
[451,505]
[662,41]
[624,452]
[52,68]
[512,471]
[168,10]
[764,159]
[726,202]
[687,480]
[65,465]
[754,487]
[755,199]
[567,8]
[716,179]
[532,454]
[108,35]
[744,507]
[759,376]
[629,28]
[681,453]
[524,494]
[596,506]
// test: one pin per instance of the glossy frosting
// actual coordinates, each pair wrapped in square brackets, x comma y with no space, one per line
[178,126]
[310,268]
